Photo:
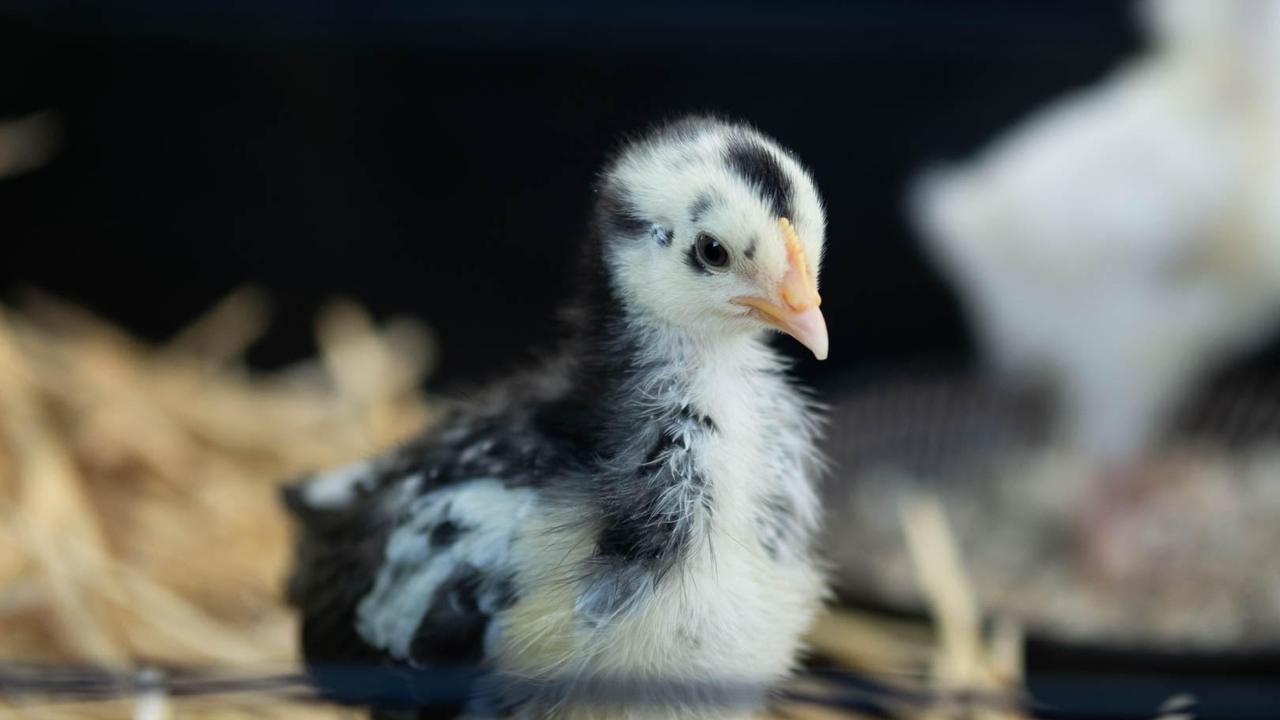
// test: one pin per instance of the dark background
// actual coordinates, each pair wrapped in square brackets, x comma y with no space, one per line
[436,160]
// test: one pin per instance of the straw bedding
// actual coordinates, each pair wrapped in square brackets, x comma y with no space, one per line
[139,525]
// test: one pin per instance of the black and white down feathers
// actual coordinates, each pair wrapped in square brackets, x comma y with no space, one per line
[638,506]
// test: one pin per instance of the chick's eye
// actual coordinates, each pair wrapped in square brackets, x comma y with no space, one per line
[711,252]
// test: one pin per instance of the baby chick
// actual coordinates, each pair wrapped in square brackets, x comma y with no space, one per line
[635,512]
[1123,242]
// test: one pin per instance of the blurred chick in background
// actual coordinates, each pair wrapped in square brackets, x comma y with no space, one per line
[1125,241]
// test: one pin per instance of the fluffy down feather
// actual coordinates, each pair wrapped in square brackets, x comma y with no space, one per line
[1124,241]
[638,509]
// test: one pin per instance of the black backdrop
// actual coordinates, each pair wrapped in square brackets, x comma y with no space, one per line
[436,160]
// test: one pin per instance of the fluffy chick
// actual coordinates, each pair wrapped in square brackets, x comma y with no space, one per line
[637,512]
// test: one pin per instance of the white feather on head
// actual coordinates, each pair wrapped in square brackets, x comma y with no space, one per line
[679,182]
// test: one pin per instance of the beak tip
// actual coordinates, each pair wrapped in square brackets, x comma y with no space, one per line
[810,328]
[818,345]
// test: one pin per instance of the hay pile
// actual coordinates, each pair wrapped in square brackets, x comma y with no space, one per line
[139,523]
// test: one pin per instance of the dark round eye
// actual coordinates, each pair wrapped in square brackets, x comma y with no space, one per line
[711,252]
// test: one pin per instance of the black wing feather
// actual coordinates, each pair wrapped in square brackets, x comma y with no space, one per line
[341,550]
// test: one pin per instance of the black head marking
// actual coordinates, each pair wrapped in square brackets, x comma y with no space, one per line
[750,252]
[660,235]
[755,164]
[700,207]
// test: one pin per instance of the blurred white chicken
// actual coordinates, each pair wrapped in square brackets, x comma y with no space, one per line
[1125,240]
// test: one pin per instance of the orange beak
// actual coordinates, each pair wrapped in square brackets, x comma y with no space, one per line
[793,306]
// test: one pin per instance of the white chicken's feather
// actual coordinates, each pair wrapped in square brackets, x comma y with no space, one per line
[1123,241]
